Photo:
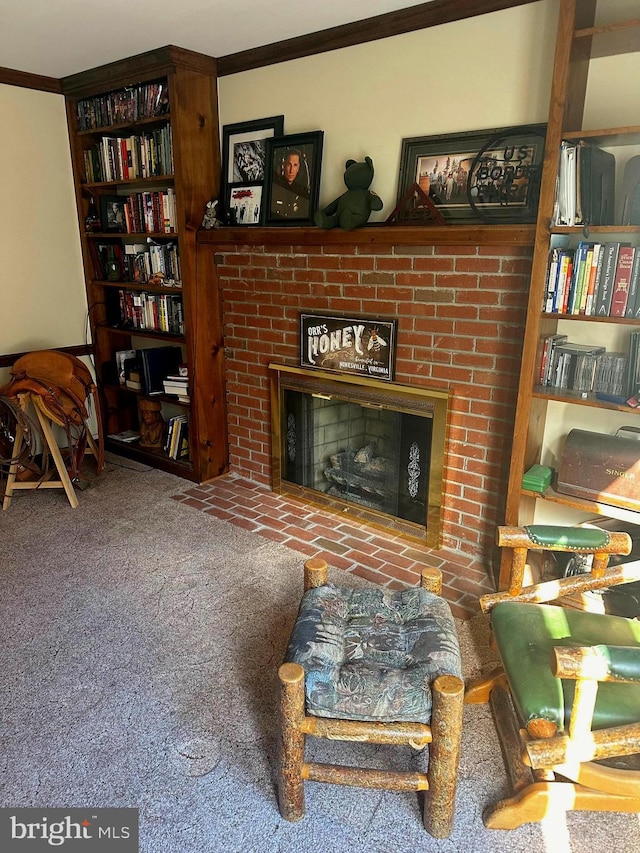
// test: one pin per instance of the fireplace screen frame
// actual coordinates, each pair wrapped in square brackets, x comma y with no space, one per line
[424,402]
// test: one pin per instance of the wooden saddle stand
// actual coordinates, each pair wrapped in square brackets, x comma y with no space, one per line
[57,386]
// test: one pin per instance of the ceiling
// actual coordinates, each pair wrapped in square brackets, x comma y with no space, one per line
[56,38]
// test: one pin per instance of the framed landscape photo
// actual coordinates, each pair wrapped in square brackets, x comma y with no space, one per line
[112,214]
[244,152]
[477,176]
[292,181]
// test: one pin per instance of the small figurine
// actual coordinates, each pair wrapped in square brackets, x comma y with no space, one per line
[211,219]
[151,424]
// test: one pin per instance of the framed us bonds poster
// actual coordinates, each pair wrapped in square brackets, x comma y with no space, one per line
[363,346]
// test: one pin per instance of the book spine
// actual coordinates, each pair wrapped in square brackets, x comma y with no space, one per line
[633,303]
[621,282]
[591,286]
[608,275]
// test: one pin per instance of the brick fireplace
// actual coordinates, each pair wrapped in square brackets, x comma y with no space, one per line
[459,296]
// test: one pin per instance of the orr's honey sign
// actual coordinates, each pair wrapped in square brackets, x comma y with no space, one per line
[361,347]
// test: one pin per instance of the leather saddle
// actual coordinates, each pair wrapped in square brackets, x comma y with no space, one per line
[60,386]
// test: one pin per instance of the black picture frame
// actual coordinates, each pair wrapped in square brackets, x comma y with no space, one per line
[362,346]
[293,203]
[477,176]
[244,156]
[112,214]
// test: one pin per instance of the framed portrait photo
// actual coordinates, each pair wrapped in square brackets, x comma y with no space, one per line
[112,214]
[476,176]
[244,154]
[292,181]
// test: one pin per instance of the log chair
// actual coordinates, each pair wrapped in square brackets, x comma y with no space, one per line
[566,700]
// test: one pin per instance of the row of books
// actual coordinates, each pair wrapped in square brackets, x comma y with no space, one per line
[585,188]
[157,263]
[178,385]
[594,279]
[589,368]
[156,312]
[119,158]
[123,106]
[177,441]
[151,212]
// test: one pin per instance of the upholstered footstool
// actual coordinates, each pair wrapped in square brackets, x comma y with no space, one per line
[376,665]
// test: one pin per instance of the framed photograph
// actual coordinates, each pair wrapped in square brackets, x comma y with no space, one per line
[476,176]
[245,204]
[112,213]
[292,181]
[244,154]
[364,346]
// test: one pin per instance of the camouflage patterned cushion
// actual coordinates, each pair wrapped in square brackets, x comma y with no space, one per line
[372,654]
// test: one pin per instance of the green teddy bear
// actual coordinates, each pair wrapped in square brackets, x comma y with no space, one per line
[353,207]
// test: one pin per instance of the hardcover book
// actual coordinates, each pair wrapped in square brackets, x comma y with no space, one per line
[622,281]
[605,294]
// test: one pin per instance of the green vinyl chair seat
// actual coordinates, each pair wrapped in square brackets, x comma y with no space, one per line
[575,538]
[525,635]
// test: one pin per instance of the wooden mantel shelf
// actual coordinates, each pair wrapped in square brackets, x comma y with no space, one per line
[371,235]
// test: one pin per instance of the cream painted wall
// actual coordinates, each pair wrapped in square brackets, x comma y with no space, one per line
[490,71]
[42,291]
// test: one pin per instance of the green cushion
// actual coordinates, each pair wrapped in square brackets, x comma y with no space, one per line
[576,538]
[525,635]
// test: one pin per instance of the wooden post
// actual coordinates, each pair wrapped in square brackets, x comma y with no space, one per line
[431,580]
[316,572]
[444,755]
[290,783]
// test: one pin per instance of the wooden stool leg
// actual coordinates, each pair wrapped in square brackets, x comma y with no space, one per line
[290,782]
[65,480]
[13,468]
[316,573]
[444,755]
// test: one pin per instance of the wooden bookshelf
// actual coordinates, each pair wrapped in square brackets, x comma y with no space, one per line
[579,41]
[176,99]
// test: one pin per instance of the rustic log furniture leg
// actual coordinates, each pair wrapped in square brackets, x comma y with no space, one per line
[316,572]
[444,755]
[292,739]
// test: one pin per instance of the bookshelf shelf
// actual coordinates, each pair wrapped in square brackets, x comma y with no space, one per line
[561,395]
[611,39]
[591,507]
[610,136]
[142,333]
[544,414]
[121,125]
[152,181]
[582,318]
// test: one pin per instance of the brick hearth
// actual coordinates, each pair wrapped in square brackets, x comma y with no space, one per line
[348,545]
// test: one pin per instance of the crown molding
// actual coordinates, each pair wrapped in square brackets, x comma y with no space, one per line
[30,81]
[370,29]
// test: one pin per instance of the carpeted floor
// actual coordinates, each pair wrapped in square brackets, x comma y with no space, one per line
[140,646]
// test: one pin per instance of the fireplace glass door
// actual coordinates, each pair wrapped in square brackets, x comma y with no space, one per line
[363,454]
